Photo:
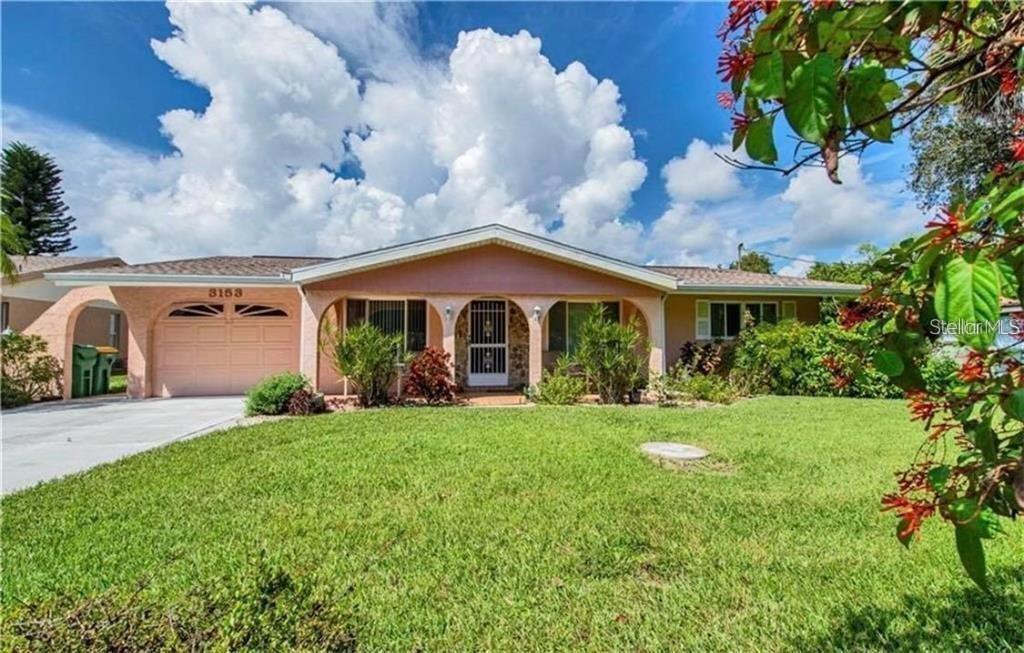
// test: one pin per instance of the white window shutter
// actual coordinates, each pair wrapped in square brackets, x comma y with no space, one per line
[789,310]
[703,320]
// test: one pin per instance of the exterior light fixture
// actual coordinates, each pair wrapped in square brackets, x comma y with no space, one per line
[536,312]
[448,312]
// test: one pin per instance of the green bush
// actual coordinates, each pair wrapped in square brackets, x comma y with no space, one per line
[681,385]
[271,395]
[939,374]
[612,356]
[27,371]
[369,359]
[791,358]
[559,386]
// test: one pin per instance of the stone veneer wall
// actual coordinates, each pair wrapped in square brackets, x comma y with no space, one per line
[518,347]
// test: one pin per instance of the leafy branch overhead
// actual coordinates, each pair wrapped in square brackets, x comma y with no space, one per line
[846,75]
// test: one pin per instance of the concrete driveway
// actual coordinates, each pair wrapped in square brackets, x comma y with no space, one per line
[50,440]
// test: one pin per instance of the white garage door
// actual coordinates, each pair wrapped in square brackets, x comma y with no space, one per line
[219,349]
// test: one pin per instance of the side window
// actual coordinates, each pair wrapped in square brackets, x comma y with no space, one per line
[198,310]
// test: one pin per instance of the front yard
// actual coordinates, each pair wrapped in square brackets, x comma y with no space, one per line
[525,529]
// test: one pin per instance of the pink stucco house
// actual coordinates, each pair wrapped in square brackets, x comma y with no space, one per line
[502,302]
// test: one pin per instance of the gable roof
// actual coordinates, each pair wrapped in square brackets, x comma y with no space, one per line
[34,266]
[486,235]
[297,270]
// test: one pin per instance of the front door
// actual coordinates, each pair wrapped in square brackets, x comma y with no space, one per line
[488,342]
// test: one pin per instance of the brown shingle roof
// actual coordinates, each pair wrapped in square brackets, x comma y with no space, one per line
[29,266]
[236,266]
[698,276]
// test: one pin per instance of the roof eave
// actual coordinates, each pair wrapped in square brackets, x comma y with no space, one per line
[803,291]
[115,279]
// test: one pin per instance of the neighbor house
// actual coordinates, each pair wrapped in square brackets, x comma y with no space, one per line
[503,303]
[30,294]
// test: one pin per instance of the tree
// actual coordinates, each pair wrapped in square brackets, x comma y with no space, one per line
[33,200]
[753,262]
[953,153]
[845,76]
[11,245]
[859,272]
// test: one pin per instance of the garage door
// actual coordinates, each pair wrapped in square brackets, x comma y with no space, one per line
[218,349]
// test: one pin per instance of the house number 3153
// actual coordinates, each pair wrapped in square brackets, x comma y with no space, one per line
[225,292]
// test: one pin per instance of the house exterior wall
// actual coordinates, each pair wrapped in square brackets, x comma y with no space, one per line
[681,316]
[92,327]
[487,270]
[23,312]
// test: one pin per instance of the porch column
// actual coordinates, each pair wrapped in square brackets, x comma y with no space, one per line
[535,308]
[653,309]
[449,309]
[312,305]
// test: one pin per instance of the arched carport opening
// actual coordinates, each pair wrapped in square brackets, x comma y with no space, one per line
[102,323]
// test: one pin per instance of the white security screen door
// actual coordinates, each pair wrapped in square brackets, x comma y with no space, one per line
[488,342]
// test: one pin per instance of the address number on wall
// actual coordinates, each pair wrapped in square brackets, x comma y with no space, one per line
[225,292]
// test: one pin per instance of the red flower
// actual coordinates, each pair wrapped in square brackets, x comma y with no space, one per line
[840,376]
[740,121]
[1017,149]
[921,407]
[855,313]
[911,513]
[734,63]
[973,369]
[999,169]
[726,100]
[743,14]
[822,4]
[1008,81]
[949,223]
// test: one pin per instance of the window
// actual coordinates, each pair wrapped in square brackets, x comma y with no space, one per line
[566,318]
[723,320]
[259,310]
[5,315]
[393,317]
[114,330]
[788,310]
[198,310]
[762,313]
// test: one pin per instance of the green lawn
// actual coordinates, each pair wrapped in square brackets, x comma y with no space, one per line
[525,529]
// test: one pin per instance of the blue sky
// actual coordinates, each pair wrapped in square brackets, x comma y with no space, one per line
[84,81]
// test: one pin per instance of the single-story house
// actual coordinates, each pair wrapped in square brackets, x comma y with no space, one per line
[30,294]
[503,303]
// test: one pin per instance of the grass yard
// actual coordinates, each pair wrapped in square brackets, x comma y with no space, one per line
[520,529]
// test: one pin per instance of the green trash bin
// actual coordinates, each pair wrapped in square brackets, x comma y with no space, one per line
[101,371]
[83,370]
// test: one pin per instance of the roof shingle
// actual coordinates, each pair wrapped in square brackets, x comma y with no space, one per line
[699,276]
[28,265]
[236,266]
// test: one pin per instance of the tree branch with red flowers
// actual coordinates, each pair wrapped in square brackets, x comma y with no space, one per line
[846,76]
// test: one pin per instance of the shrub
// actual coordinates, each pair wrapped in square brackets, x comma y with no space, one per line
[271,395]
[706,358]
[791,358]
[559,386]
[679,385]
[305,402]
[368,358]
[939,374]
[27,371]
[612,356]
[430,377]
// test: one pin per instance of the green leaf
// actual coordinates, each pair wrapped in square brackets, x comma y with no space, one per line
[888,363]
[810,106]
[967,293]
[902,534]
[1010,207]
[1014,404]
[760,141]
[972,555]
[767,78]
[938,477]
[737,138]
[863,100]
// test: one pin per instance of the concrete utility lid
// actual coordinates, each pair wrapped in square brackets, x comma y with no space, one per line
[673,451]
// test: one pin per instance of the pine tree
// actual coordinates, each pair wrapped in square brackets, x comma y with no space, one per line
[33,199]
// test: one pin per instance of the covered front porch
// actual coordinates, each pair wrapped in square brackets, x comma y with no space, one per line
[495,341]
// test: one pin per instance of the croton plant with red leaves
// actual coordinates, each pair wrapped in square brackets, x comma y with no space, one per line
[845,76]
